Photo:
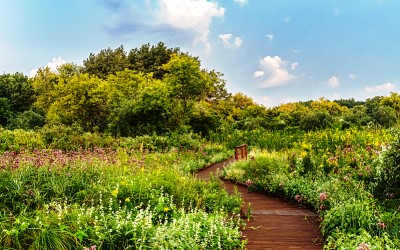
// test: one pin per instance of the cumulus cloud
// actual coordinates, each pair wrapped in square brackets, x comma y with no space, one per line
[226,40]
[189,15]
[294,65]
[53,65]
[275,71]
[270,37]
[258,74]
[241,2]
[384,88]
[183,20]
[238,41]
[334,82]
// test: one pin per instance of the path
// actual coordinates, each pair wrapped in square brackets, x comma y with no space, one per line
[276,223]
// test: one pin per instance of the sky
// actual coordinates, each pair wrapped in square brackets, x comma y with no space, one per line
[275,51]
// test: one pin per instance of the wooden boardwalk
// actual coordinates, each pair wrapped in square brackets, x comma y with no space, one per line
[276,223]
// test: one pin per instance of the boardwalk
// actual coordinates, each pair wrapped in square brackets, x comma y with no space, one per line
[275,224]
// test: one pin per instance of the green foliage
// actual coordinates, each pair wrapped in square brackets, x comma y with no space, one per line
[386,177]
[149,112]
[84,100]
[149,59]
[106,62]
[5,112]
[188,82]
[349,177]
[18,90]
[113,199]
[27,120]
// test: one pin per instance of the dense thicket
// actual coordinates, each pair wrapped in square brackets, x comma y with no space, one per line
[156,89]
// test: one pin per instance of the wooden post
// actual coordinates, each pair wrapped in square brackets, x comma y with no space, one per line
[241,152]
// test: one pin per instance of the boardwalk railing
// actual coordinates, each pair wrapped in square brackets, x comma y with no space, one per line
[241,152]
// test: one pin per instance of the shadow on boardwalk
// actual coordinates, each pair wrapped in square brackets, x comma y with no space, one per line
[275,223]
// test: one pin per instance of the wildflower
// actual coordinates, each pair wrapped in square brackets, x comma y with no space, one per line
[363,246]
[166,209]
[123,183]
[249,182]
[323,196]
[345,178]
[127,199]
[298,198]
[360,174]
[323,207]
[114,192]
[381,225]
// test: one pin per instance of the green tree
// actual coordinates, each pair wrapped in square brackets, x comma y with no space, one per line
[148,112]
[5,111]
[393,101]
[44,84]
[84,100]
[189,84]
[149,59]
[106,62]
[18,90]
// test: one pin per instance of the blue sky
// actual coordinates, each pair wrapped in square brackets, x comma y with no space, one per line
[275,51]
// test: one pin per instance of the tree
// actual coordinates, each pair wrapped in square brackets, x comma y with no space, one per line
[188,82]
[149,59]
[393,101]
[84,100]
[5,112]
[106,62]
[44,84]
[18,90]
[217,90]
[148,112]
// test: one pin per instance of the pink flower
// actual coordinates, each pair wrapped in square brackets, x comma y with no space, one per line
[345,178]
[249,182]
[323,196]
[298,198]
[363,246]
[381,225]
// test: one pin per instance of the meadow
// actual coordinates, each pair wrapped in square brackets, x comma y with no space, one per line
[140,196]
[350,177]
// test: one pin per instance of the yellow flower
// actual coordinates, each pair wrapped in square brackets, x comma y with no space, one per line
[114,192]
[127,199]
[166,209]
[123,183]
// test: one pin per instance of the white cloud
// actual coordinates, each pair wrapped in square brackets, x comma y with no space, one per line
[53,65]
[238,42]
[194,16]
[296,51]
[241,2]
[353,76]
[258,74]
[270,37]
[382,89]
[275,70]
[294,65]
[226,40]
[334,82]
[286,19]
